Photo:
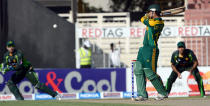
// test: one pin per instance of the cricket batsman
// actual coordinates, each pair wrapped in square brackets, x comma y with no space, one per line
[146,64]
[13,60]
[184,60]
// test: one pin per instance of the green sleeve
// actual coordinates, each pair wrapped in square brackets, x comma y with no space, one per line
[5,61]
[145,20]
[173,61]
[5,64]
[19,61]
[192,56]
[26,63]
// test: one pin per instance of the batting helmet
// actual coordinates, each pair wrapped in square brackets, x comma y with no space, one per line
[154,7]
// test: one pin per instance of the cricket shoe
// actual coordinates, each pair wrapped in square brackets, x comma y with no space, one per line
[58,96]
[140,98]
[161,97]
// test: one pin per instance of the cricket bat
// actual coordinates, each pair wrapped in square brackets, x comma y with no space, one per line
[173,11]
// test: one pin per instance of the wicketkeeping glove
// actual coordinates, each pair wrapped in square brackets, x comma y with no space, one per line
[11,68]
[3,69]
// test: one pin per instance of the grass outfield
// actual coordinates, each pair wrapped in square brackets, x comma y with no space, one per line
[181,101]
[62,103]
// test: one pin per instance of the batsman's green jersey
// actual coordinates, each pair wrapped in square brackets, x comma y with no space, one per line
[146,64]
[153,31]
[150,45]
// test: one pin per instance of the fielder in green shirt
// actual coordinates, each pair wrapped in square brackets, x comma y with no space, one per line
[184,60]
[146,64]
[14,60]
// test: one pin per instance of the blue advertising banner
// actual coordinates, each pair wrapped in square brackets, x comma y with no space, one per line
[43,97]
[73,80]
[89,96]
[129,94]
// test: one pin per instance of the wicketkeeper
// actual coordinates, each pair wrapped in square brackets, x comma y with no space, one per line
[184,60]
[146,64]
[13,60]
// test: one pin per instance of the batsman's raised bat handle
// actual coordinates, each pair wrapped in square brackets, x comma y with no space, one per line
[166,13]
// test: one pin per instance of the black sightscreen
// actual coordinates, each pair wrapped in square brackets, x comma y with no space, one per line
[3,27]
[47,40]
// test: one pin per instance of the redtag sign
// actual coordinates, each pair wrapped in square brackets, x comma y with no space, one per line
[121,32]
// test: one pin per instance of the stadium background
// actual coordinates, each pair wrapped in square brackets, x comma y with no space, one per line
[30,23]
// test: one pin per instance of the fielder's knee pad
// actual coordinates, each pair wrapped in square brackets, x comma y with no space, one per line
[137,67]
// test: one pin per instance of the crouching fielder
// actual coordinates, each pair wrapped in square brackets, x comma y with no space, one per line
[146,64]
[13,60]
[184,60]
